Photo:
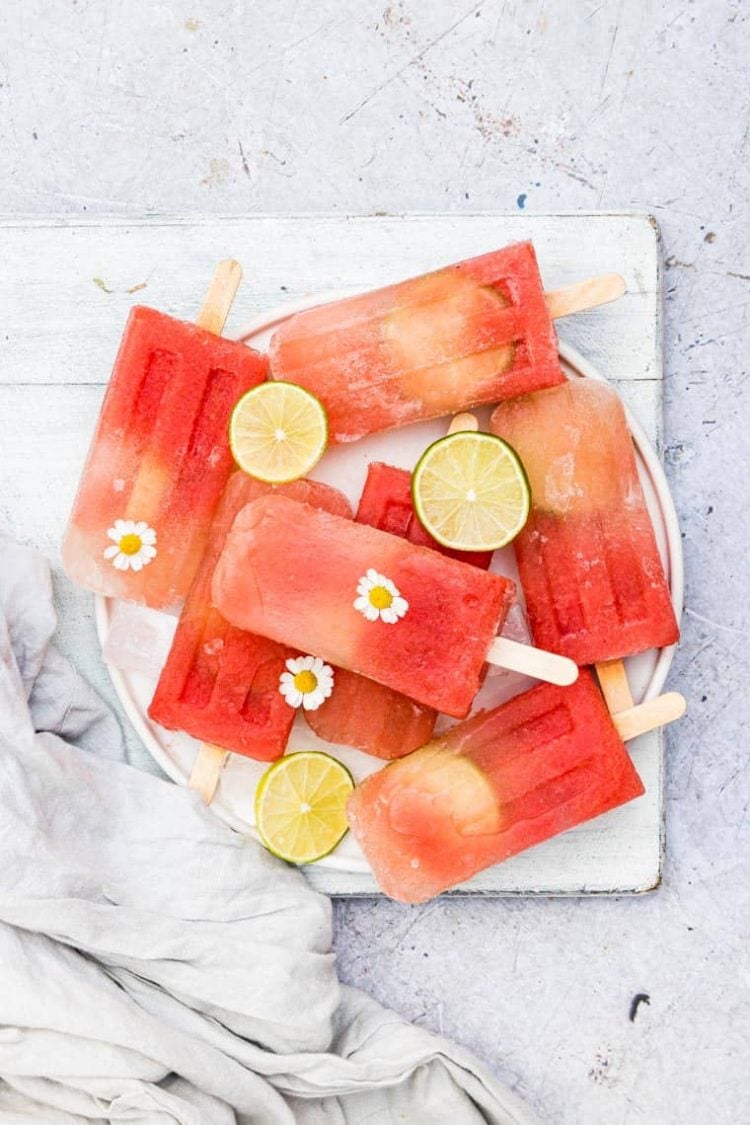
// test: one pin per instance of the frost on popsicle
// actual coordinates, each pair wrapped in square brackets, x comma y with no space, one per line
[587,558]
[471,333]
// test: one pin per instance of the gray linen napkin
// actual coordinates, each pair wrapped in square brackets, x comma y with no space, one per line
[156,967]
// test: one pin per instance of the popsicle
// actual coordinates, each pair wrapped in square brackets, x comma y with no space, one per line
[471,333]
[361,712]
[367,601]
[160,456]
[220,683]
[587,558]
[490,787]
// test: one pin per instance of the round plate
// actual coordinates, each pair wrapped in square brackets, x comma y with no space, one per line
[345,467]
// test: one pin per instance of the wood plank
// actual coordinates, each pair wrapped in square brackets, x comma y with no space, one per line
[101,268]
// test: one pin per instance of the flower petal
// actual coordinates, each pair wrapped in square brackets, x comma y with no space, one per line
[110,552]
[294,664]
[114,534]
[399,605]
[312,700]
[122,562]
[389,616]
[148,552]
[136,562]
[149,536]
[371,613]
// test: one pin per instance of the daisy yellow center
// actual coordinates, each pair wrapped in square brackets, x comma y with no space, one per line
[305,682]
[130,544]
[381,598]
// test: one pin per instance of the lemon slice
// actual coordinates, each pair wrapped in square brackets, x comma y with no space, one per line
[278,432]
[471,492]
[300,806]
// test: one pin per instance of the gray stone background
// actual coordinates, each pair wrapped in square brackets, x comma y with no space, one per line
[132,106]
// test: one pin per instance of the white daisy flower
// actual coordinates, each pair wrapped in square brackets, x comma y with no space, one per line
[134,545]
[379,598]
[307,682]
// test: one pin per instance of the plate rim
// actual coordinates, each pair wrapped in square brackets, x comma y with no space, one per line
[673,541]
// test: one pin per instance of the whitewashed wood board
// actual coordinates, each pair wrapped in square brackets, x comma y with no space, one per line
[65,292]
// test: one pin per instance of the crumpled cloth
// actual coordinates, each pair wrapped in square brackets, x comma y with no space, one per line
[157,967]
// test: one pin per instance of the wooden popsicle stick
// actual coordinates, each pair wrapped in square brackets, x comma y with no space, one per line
[585,294]
[221,294]
[613,681]
[532,661]
[650,715]
[206,771]
[462,422]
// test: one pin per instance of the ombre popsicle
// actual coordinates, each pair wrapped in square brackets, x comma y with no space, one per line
[413,620]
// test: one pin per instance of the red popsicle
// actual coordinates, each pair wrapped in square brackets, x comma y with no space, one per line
[160,456]
[587,558]
[490,787]
[471,333]
[359,598]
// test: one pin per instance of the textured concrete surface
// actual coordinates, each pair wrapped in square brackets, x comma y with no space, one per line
[295,105]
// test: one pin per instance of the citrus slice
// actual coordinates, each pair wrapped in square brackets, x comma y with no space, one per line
[471,492]
[300,806]
[278,432]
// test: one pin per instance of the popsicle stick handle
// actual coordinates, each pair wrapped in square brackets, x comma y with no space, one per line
[204,777]
[207,768]
[221,294]
[585,294]
[650,715]
[613,681]
[462,422]
[532,662]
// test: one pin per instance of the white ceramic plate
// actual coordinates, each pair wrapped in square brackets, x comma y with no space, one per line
[345,467]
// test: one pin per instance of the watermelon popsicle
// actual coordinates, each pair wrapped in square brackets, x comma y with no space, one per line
[471,333]
[221,684]
[587,558]
[490,787]
[367,601]
[160,456]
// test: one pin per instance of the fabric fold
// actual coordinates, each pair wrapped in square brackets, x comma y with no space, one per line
[156,966]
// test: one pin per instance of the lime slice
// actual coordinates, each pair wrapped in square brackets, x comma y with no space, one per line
[300,806]
[471,492]
[278,432]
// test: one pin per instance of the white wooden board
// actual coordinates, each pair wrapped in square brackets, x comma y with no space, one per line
[65,292]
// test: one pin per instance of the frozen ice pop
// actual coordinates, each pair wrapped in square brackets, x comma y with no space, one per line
[360,712]
[359,598]
[490,787]
[471,333]
[160,456]
[587,558]
[220,683]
